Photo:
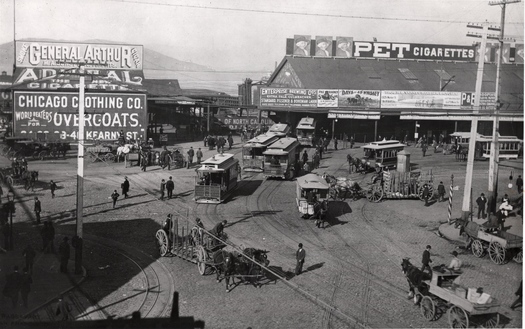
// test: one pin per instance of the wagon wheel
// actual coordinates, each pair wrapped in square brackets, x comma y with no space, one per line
[519,257]
[497,252]
[492,321]
[374,193]
[109,157]
[428,308]
[9,180]
[162,242]
[457,317]
[202,256]
[43,155]
[92,156]
[477,248]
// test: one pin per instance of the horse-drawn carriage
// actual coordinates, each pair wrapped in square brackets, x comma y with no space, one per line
[312,196]
[439,290]
[401,185]
[207,250]
[104,151]
[342,188]
[500,245]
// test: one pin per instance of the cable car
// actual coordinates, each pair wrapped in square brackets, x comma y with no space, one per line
[310,183]
[306,131]
[252,152]
[280,158]
[279,129]
[216,178]
[509,146]
[383,153]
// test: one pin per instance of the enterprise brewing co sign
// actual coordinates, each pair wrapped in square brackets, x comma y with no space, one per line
[288,97]
[413,51]
[32,54]
[55,114]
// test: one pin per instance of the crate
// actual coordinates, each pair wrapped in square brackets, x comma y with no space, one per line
[461,292]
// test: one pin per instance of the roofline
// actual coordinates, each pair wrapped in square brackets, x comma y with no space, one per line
[277,70]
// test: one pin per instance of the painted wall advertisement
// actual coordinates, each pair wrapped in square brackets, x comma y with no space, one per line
[359,98]
[238,122]
[399,99]
[288,97]
[327,98]
[487,100]
[54,114]
[413,51]
[70,55]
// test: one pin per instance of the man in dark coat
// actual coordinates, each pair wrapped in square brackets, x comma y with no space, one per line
[199,156]
[25,285]
[12,286]
[230,141]
[64,251]
[219,228]
[162,188]
[37,209]
[441,192]
[170,186]
[300,255]
[125,187]
[305,157]
[52,187]
[114,197]
[426,259]
[482,203]
[426,194]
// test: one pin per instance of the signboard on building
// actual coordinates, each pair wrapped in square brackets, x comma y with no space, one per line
[327,98]
[413,51]
[238,122]
[288,97]
[487,100]
[44,54]
[411,99]
[359,98]
[54,114]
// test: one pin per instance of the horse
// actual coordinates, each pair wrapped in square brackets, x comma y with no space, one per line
[231,264]
[415,278]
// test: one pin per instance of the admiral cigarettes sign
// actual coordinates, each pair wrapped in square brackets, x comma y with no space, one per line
[398,50]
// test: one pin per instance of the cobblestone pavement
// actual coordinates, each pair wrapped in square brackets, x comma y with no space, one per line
[353,265]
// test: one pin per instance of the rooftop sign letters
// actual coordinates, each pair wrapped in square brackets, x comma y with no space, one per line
[34,54]
[413,51]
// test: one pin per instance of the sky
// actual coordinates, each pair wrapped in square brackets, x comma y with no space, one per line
[249,35]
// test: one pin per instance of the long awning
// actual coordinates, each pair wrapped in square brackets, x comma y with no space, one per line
[177,100]
[443,116]
[345,114]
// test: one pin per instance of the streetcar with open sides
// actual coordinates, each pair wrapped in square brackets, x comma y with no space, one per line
[383,153]
[280,158]
[252,152]
[216,178]
[305,131]
[509,146]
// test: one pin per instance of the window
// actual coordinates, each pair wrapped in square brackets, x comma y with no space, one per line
[407,73]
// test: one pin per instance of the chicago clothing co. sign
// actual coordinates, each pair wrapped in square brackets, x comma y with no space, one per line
[55,114]
[413,51]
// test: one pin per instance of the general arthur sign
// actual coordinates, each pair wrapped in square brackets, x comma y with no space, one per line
[35,54]
[55,115]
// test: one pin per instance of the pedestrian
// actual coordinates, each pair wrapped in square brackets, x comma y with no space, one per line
[143,161]
[12,286]
[305,157]
[352,142]
[455,263]
[170,186]
[44,233]
[25,285]
[482,203]
[306,168]
[64,252]
[114,196]
[125,187]
[441,192]
[206,140]
[32,180]
[199,155]
[519,184]
[349,160]
[335,143]
[426,259]
[52,187]
[300,256]
[519,293]
[230,141]
[218,229]
[50,237]
[29,255]
[426,194]
[38,209]
[162,188]
[316,160]
[63,308]
[424,148]
[191,154]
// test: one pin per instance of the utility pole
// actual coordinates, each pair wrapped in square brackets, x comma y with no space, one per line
[494,146]
[77,242]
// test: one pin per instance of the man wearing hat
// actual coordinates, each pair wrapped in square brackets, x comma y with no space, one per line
[125,187]
[322,48]
[301,46]
[455,263]
[343,48]
[300,255]
[482,203]
[426,259]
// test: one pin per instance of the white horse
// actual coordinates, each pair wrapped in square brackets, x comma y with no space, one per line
[123,150]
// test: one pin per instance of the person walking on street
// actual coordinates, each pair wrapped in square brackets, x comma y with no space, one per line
[125,187]
[37,209]
[191,154]
[63,308]
[441,192]
[114,196]
[170,186]
[52,187]
[426,194]
[29,255]
[12,286]
[230,141]
[424,148]
[519,293]
[482,203]
[352,142]
[350,161]
[426,259]
[300,255]
[335,143]
[305,157]
[64,251]
[25,285]
[162,188]
[519,183]
[199,155]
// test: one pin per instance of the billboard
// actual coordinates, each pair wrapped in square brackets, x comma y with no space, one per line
[323,46]
[44,54]
[288,97]
[403,99]
[55,115]
[327,98]
[359,98]
[343,47]
[413,51]
[301,45]
[487,100]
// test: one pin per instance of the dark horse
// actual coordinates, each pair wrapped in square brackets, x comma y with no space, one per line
[246,267]
[415,278]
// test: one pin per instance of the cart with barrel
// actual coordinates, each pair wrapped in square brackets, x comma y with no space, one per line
[401,185]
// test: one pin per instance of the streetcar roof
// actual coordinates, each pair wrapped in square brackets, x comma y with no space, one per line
[218,162]
[261,140]
[306,123]
[282,146]
[384,145]
[485,138]
[312,181]
[279,129]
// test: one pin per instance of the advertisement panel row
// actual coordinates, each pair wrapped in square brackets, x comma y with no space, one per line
[55,115]
[371,99]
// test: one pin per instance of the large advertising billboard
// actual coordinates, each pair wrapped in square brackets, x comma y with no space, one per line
[288,97]
[55,115]
[359,98]
[413,51]
[44,54]
[411,99]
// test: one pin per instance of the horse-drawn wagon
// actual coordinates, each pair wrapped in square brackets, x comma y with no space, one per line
[342,188]
[312,193]
[102,151]
[500,245]
[401,185]
[440,290]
